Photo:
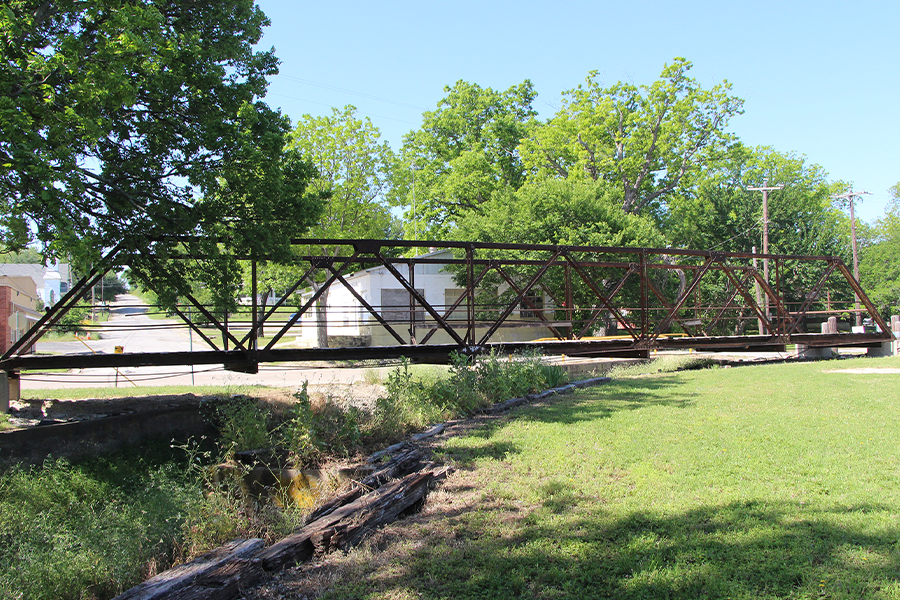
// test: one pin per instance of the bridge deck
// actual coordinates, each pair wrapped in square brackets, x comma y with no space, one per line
[432,353]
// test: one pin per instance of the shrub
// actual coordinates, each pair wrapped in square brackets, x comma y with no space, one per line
[413,402]
[243,424]
[73,321]
[88,531]
[314,430]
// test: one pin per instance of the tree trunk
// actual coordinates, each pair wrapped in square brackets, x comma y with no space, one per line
[261,308]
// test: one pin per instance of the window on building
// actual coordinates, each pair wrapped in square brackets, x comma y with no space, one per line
[451,295]
[395,306]
[525,309]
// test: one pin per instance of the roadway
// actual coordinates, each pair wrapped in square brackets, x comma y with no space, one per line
[132,328]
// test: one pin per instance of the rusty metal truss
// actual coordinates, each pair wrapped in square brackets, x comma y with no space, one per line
[576,300]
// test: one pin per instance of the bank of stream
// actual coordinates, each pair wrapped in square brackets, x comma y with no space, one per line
[98,523]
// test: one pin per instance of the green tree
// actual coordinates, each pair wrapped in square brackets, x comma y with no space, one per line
[717,211]
[24,256]
[562,212]
[354,172]
[879,265]
[645,139]
[110,286]
[121,122]
[464,153]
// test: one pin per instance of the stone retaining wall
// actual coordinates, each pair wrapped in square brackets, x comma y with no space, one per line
[93,437]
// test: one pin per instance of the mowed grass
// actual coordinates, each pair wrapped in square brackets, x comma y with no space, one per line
[771,481]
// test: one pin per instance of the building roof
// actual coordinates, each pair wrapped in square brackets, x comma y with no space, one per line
[36,271]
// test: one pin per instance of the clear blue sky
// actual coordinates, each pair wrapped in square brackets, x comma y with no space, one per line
[819,78]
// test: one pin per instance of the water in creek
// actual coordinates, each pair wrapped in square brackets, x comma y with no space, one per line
[299,487]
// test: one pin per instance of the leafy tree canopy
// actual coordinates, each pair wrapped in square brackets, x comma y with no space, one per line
[354,168]
[717,211]
[645,139]
[464,153]
[565,212]
[879,265]
[123,121]
[24,256]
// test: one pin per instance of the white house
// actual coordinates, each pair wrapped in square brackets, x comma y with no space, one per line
[349,323]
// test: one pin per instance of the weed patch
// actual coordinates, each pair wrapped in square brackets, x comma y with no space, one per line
[92,530]
[414,401]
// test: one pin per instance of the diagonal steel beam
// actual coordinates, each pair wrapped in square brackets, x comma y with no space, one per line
[857,289]
[728,302]
[181,314]
[698,275]
[368,307]
[281,302]
[540,312]
[751,302]
[669,306]
[794,325]
[780,311]
[58,310]
[212,319]
[420,299]
[508,311]
[606,301]
[609,295]
[318,293]
[459,300]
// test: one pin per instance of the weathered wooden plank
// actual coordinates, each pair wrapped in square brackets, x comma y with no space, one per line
[367,512]
[399,466]
[378,508]
[224,583]
[168,582]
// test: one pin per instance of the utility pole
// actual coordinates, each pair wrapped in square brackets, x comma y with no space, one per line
[848,197]
[765,189]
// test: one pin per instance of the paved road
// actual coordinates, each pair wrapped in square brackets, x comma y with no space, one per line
[129,326]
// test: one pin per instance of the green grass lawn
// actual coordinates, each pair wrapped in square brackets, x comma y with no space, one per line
[771,481]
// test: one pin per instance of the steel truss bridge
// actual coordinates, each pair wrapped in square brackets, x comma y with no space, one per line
[571,298]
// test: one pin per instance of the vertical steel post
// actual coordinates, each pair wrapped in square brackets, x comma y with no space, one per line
[570,302]
[470,293]
[412,302]
[4,392]
[254,333]
[782,323]
[855,260]
[645,317]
